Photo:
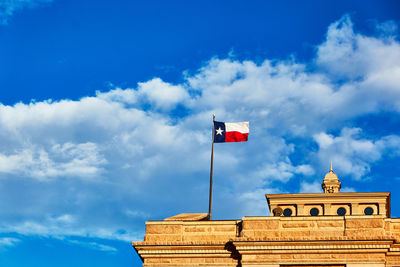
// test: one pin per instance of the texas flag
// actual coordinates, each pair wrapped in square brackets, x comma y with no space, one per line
[230,131]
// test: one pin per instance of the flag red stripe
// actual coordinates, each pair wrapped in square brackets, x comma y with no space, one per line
[236,137]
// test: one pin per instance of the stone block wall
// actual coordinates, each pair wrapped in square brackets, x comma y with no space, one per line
[270,241]
[216,231]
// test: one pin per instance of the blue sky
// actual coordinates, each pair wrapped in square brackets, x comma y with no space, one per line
[106,111]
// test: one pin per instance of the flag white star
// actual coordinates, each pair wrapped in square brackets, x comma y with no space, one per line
[219,131]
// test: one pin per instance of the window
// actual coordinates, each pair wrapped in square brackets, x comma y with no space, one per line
[368,211]
[287,212]
[341,211]
[314,212]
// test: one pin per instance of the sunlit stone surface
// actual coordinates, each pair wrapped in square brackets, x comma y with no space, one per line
[315,229]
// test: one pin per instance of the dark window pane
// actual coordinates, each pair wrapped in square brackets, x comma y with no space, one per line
[314,212]
[368,211]
[341,211]
[287,212]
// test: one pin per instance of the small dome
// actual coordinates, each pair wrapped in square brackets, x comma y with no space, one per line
[331,183]
[331,176]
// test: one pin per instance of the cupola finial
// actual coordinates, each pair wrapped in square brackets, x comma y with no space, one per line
[331,183]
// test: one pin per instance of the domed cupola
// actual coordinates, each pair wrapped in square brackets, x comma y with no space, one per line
[331,183]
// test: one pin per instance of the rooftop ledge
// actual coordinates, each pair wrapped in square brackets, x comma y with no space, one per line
[330,195]
[188,217]
[196,218]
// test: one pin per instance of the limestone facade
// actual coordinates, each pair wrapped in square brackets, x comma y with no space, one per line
[322,229]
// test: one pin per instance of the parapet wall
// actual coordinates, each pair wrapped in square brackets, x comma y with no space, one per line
[320,228]
[271,241]
[191,231]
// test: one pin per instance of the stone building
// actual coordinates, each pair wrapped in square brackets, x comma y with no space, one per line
[314,229]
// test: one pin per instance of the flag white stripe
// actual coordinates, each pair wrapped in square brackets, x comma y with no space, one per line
[241,127]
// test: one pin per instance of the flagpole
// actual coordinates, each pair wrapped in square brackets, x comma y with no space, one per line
[211,171]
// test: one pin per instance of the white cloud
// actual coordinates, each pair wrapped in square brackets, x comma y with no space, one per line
[352,154]
[137,213]
[9,7]
[92,245]
[351,55]
[59,228]
[8,242]
[282,171]
[163,95]
[70,160]
[314,187]
[254,202]
[126,96]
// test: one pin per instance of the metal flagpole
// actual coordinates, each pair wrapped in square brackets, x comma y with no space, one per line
[211,171]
